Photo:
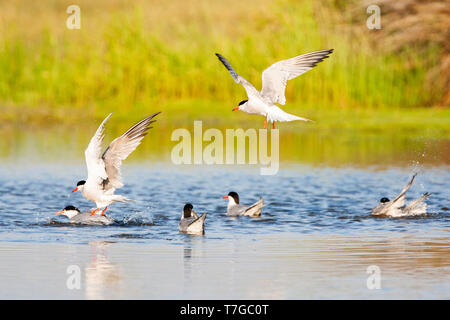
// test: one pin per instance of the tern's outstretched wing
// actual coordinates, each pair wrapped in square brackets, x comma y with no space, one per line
[249,88]
[254,209]
[418,206]
[394,207]
[121,148]
[95,165]
[275,77]
[197,225]
[400,200]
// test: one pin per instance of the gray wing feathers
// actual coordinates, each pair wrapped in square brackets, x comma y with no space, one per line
[193,224]
[249,88]
[400,200]
[228,66]
[275,77]
[86,218]
[255,209]
[397,206]
[121,148]
[198,225]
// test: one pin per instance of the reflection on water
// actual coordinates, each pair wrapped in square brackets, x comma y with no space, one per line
[331,147]
[279,266]
[315,238]
[102,278]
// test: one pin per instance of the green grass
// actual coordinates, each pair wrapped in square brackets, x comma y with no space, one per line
[135,59]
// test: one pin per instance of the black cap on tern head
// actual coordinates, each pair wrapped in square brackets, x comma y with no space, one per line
[384,200]
[242,102]
[187,210]
[235,196]
[80,183]
[68,208]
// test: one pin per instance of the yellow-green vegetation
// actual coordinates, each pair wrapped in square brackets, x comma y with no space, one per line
[142,56]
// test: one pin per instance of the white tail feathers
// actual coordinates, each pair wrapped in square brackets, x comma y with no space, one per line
[277,114]
[120,198]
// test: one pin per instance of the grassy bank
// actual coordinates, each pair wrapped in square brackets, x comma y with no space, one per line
[131,58]
[182,113]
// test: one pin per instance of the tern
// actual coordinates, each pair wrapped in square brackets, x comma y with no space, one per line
[104,175]
[274,80]
[190,221]
[234,208]
[78,217]
[397,207]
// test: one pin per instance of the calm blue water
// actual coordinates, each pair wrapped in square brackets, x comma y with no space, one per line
[299,200]
[315,239]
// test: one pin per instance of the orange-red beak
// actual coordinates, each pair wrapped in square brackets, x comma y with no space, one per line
[76,189]
[237,108]
[60,212]
[226,197]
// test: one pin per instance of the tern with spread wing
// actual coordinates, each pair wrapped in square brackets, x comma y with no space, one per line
[234,208]
[274,80]
[397,207]
[104,175]
[190,221]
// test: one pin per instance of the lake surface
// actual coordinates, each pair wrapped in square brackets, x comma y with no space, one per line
[315,239]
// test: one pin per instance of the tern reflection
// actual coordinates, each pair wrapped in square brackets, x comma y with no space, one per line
[103,278]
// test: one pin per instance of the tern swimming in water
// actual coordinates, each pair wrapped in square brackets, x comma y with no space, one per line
[190,221]
[78,217]
[234,208]
[397,207]
[274,80]
[104,175]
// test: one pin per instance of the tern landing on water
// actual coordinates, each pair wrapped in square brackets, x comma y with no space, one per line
[397,207]
[190,221]
[78,217]
[104,169]
[234,208]
[274,80]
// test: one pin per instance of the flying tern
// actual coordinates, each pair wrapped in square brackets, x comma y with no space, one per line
[274,80]
[104,175]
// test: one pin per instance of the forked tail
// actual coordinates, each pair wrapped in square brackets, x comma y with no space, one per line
[277,114]
[120,198]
